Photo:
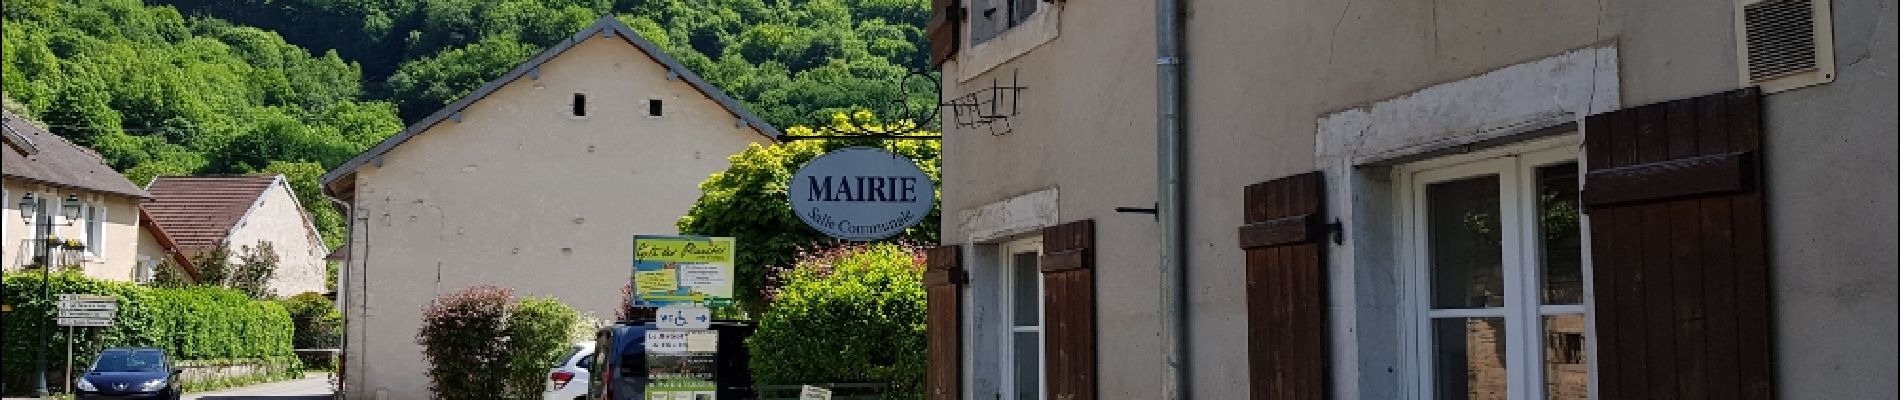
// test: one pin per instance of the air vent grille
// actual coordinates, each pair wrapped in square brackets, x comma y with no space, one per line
[1785,44]
[1780,39]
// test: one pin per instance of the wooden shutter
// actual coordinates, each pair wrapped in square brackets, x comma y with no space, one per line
[945,21]
[1284,235]
[944,278]
[1674,192]
[1068,281]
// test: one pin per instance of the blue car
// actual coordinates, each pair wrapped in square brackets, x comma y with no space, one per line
[129,373]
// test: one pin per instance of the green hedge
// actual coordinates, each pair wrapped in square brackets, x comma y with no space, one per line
[200,323]
[852,314]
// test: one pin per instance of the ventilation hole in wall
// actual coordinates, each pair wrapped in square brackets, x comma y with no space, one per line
[654,107]
[1780,38]
[580,105]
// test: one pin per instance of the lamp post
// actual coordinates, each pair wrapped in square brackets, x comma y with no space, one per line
[31,208]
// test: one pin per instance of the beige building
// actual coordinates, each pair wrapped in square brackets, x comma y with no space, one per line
[1416,200]
[199,212]
[107,226]
[537,181]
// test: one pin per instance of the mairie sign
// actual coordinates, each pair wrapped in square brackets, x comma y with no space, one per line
[861,194]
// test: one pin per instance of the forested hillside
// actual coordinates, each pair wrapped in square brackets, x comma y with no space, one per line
[789,60]
[298,86]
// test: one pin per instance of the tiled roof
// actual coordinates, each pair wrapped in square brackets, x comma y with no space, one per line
[199,211]
[49,159]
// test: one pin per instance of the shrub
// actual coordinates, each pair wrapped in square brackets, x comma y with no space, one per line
[318,325]
[849,314]
[539,329]
[481,344]
[189,324]
[463,338]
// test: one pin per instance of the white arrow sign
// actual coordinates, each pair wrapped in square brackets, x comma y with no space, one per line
[89,305]
[107,314]
[85,297]
[84,322]
[683,318]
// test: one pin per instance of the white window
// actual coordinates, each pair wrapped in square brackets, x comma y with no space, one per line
[147,270]
[1022,315]
[95,230]
[1496,277]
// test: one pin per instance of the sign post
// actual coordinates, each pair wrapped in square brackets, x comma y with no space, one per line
[682,276]
[76,310]
[861,194]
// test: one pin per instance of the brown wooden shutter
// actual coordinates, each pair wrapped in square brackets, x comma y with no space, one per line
[944,278]
[1674,192]
[1068,281]
[1284,236]
[945,21]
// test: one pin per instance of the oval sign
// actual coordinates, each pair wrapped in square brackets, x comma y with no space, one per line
[861,194]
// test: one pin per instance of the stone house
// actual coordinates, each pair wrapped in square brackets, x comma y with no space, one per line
[200,212]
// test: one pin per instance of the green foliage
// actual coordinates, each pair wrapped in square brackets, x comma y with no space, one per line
[853,313]
[748,201]
[158,93]
[248,270]
[539,329]
[199,323]
[318,326]
[481,343]
[790,61]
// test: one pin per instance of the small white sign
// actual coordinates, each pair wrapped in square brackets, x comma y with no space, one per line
[810,392]
[683,318]
[666,342]
[106,314]
[84,322]
[85,297]
[89,305]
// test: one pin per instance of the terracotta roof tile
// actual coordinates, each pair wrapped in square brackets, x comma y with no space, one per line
[199,211]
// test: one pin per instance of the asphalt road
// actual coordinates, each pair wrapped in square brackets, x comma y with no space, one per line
[314,386]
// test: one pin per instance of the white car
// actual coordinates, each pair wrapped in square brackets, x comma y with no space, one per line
[567,379]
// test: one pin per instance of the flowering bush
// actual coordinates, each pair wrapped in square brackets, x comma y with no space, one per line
[482,344]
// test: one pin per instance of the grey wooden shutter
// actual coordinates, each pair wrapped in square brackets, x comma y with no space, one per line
[1674,194]
[1068,281]
[946,17]
[1283,235]
[944,278]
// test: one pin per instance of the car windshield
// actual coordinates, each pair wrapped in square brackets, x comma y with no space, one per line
[130,361]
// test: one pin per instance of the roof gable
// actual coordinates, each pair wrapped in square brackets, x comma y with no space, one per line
[606,26]
[200,211]
[36,155]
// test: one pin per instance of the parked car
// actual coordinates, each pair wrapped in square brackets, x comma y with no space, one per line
[129,373]
[567,378]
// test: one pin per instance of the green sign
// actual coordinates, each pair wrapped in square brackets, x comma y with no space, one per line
[671,271]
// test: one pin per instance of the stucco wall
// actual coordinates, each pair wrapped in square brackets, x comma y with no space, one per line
[522,195]
[1260,74]
[278,219]
[120,230]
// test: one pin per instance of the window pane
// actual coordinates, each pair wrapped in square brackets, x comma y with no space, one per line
[1559,244]
[1020,10]
[1028,289]
[1566,359]
[1462,222]
[1468,358]
[1028,365]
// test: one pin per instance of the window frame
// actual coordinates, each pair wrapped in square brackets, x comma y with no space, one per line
[1007,302]
[974,58]
[94,229]
[1515,165]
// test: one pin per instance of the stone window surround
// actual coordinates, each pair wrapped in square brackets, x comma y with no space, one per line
[989,231]
[1358,148]
[974,59]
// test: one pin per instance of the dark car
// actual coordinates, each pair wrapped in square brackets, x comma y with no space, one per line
[129,373]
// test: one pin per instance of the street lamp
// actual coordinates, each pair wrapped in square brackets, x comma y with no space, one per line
[42,224]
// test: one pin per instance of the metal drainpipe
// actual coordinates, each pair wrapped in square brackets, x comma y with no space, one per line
[343,281]
[1172,208]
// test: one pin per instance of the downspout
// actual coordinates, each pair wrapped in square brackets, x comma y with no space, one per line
[1171,210]
[342,283]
